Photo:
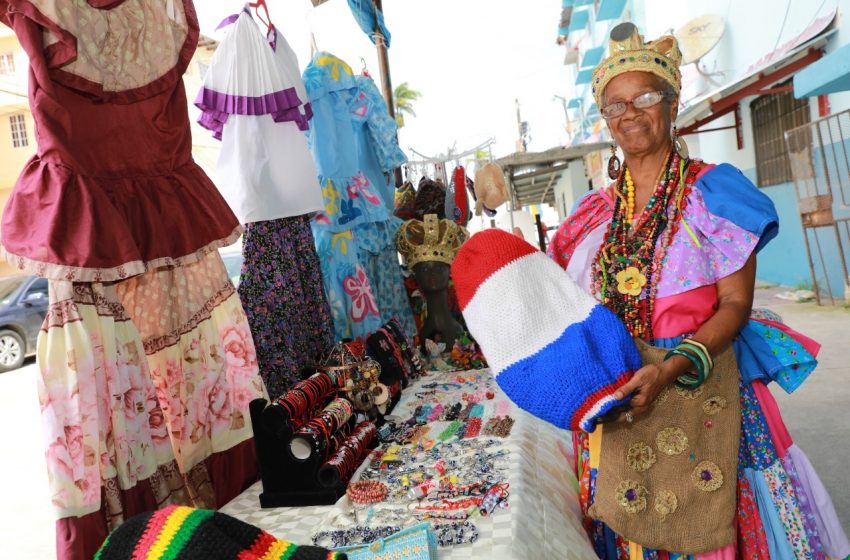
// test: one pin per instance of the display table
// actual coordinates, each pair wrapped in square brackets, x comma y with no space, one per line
[543,518]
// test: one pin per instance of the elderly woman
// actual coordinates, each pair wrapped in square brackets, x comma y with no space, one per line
[670,247]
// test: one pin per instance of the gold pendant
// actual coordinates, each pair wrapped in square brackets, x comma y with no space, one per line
[630,281]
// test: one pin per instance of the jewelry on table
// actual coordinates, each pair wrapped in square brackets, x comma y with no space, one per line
[450,534]
[355,535]
[367,491]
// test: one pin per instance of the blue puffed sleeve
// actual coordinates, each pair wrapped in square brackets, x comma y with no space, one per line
[730,195]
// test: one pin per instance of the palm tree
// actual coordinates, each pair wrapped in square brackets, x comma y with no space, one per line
[403,98]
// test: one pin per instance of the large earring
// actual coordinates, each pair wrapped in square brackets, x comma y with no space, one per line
[679,144]
[613,163]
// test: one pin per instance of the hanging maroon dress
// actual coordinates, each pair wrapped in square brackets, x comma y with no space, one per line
[146,361]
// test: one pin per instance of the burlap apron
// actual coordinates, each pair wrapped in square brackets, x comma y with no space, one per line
[668,481]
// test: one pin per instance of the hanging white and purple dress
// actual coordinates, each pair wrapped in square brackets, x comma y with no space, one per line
[254,101]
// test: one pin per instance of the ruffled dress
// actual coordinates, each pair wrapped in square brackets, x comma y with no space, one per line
[146,360]
[353,142]
[254,101]
[783,511]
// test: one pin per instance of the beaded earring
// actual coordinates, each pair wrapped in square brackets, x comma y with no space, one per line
[613,162]
[679,144]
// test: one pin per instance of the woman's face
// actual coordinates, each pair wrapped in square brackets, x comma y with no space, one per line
[639,131]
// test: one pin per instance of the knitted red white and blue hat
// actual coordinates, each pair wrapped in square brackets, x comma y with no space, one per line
[555,351]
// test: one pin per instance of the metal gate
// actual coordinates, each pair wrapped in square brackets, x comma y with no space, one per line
[820,164]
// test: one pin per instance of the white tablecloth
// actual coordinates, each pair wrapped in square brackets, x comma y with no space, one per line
[543,520]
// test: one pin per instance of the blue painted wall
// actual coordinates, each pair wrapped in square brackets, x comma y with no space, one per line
[784,260]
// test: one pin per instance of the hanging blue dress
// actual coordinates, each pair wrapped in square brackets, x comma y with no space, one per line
[353,142]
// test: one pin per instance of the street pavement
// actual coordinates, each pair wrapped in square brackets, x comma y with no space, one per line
[817,415]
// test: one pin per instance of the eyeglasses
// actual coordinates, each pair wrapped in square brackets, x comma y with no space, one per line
[642,101]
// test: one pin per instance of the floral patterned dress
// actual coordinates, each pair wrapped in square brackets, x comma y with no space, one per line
[146,361]
[353,143]
[782,510]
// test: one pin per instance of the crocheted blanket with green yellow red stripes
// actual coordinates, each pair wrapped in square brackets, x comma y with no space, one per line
[185,533]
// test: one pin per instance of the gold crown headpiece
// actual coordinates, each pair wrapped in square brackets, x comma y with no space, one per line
[431,239]
[628,53]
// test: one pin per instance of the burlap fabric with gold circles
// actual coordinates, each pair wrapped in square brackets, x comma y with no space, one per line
[668,480]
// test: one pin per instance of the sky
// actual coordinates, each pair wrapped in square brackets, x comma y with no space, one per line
[470,59]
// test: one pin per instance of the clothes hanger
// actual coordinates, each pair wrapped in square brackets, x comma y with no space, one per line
[267,21]
[364,71]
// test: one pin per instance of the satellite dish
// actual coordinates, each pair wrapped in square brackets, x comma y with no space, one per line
[698,36]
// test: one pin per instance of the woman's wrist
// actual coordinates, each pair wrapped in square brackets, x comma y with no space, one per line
[674,367]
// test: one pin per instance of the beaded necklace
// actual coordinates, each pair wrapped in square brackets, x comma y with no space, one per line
[630,256]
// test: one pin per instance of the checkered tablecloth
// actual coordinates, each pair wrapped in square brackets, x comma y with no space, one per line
[543,520]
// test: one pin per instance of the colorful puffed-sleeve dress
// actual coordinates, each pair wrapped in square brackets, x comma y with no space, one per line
[147,364]
[783,510]
[254,101]
[355,231]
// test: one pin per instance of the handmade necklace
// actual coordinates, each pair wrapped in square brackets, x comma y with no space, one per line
[627,261]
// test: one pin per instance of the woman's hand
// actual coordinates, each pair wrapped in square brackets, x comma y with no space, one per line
[645,386]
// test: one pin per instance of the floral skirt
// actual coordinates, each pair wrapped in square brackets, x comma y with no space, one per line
[377,247]
[363,279]
[783,510]
[144,391]
[282,293]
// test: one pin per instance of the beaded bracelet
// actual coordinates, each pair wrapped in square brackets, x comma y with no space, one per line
[688,381]
[355,535]
[450,431]
[367,491]
[449,534]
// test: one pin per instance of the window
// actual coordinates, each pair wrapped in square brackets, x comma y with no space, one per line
[7,63]
[773,114]
[19,131]
[37,290]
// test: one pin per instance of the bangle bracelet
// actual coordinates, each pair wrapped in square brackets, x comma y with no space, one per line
[704,365]
[687,381]
[700,350]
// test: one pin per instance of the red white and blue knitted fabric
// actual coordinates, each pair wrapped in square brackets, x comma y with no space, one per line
[555,351]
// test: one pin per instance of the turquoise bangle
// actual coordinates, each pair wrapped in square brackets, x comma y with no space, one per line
[700,350]
[687,381]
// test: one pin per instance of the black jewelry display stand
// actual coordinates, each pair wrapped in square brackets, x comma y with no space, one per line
[287,482]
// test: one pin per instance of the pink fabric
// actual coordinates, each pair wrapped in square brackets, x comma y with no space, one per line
[230,472]
[594,210]
[728,552]
[811,346]
[778,432]
[705,167]
[683,313]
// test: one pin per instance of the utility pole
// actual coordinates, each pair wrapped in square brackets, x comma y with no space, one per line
[563,101]
[522,128]
[384,68]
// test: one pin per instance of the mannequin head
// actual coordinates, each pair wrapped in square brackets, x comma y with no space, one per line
[432,276]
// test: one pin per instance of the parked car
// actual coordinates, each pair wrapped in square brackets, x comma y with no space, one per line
[23,306]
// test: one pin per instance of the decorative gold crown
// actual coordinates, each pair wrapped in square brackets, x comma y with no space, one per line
[628,53]
[429,240]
